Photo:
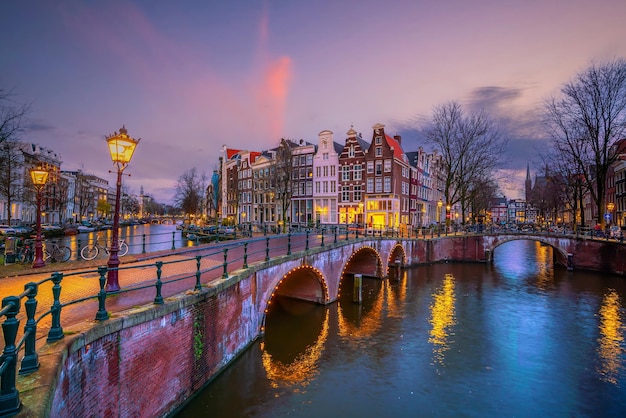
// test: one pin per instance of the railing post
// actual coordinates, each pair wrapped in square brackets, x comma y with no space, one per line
[265,230]
[10,402]
[173,238]
[56,332]
[30,361]
[335,231]
[347,238]
[322,237]
[289,243]
[267,249]
[102,313]
[143,244]
[225,274]
[307,241]
[245,255]
[158,299]
[198,286]
[356,233]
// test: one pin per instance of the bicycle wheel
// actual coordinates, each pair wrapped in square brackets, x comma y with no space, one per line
[63,254]
[46,254]
[123,249]
[89,252]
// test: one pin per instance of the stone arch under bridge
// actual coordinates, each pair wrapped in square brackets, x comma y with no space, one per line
[560,253]
[366,260]
[397,259]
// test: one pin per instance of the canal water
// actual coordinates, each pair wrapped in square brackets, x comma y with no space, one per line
[139,238]
[516,338]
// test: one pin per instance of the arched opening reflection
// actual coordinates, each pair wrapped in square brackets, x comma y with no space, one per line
[525,259]
[294,360]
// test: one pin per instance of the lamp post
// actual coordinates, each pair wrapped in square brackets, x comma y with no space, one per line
[121,147]
[39,178]
[439,206]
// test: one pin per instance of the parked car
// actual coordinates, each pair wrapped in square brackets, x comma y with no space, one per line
[615,232]
[6,230]
[227,230]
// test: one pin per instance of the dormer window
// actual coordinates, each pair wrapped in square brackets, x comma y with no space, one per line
[379,140]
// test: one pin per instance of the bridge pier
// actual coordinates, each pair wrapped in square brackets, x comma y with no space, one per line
[357,291]
[488,256]
[570,261]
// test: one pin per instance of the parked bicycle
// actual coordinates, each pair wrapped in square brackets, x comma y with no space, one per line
[89,252]
[25,251]
[55,252]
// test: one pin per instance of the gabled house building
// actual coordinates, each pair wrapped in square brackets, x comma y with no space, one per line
[387,178]
[325,178]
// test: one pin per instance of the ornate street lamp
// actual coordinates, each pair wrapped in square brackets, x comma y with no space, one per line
[39,178]
[121,147]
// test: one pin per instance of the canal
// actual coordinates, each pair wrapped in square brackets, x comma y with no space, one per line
[516,338]
[139,238]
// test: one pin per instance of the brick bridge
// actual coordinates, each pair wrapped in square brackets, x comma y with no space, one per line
[115,368]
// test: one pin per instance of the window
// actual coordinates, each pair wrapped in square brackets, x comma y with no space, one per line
[325,171]
[379,168]
[325,156]
[388,166]
[303,160]
[370,167]
[379,140]
[357,193]
[318,171]
[345,174]
[370,185]
[333,187]
[309,159]
[388,184]
[379,185]
[332,171]
[351,151]
[358,173]
[345,194]
[295,161]
[379,151]
[317,187]
[303,173]
[325,187]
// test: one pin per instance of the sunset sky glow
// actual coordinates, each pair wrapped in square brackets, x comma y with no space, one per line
[189,76]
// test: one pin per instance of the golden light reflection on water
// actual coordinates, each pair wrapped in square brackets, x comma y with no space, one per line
[304,367]
[545,267]
[368,324]
[611,338]
[442,318]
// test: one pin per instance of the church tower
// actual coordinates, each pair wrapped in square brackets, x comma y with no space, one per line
[529,186]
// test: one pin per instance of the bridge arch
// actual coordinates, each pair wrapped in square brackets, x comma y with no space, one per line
[304,283]
[560,255]
[366,261]
[397,253]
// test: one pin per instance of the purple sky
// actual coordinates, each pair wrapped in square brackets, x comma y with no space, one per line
[189,76]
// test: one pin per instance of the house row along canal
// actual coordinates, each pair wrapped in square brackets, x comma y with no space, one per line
[515,338]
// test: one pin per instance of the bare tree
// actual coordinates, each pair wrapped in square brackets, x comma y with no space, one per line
[12,119]
[586,120]
[281,178]
[189,191]
[471,150]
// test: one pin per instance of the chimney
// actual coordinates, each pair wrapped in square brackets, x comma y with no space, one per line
[398,138]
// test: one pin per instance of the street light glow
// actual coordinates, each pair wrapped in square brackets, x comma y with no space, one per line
[121,147]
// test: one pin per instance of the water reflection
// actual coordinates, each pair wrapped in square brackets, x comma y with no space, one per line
[293,362]
[611,338]
[442,319]
[522,260]
[140,238]
[358,321]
